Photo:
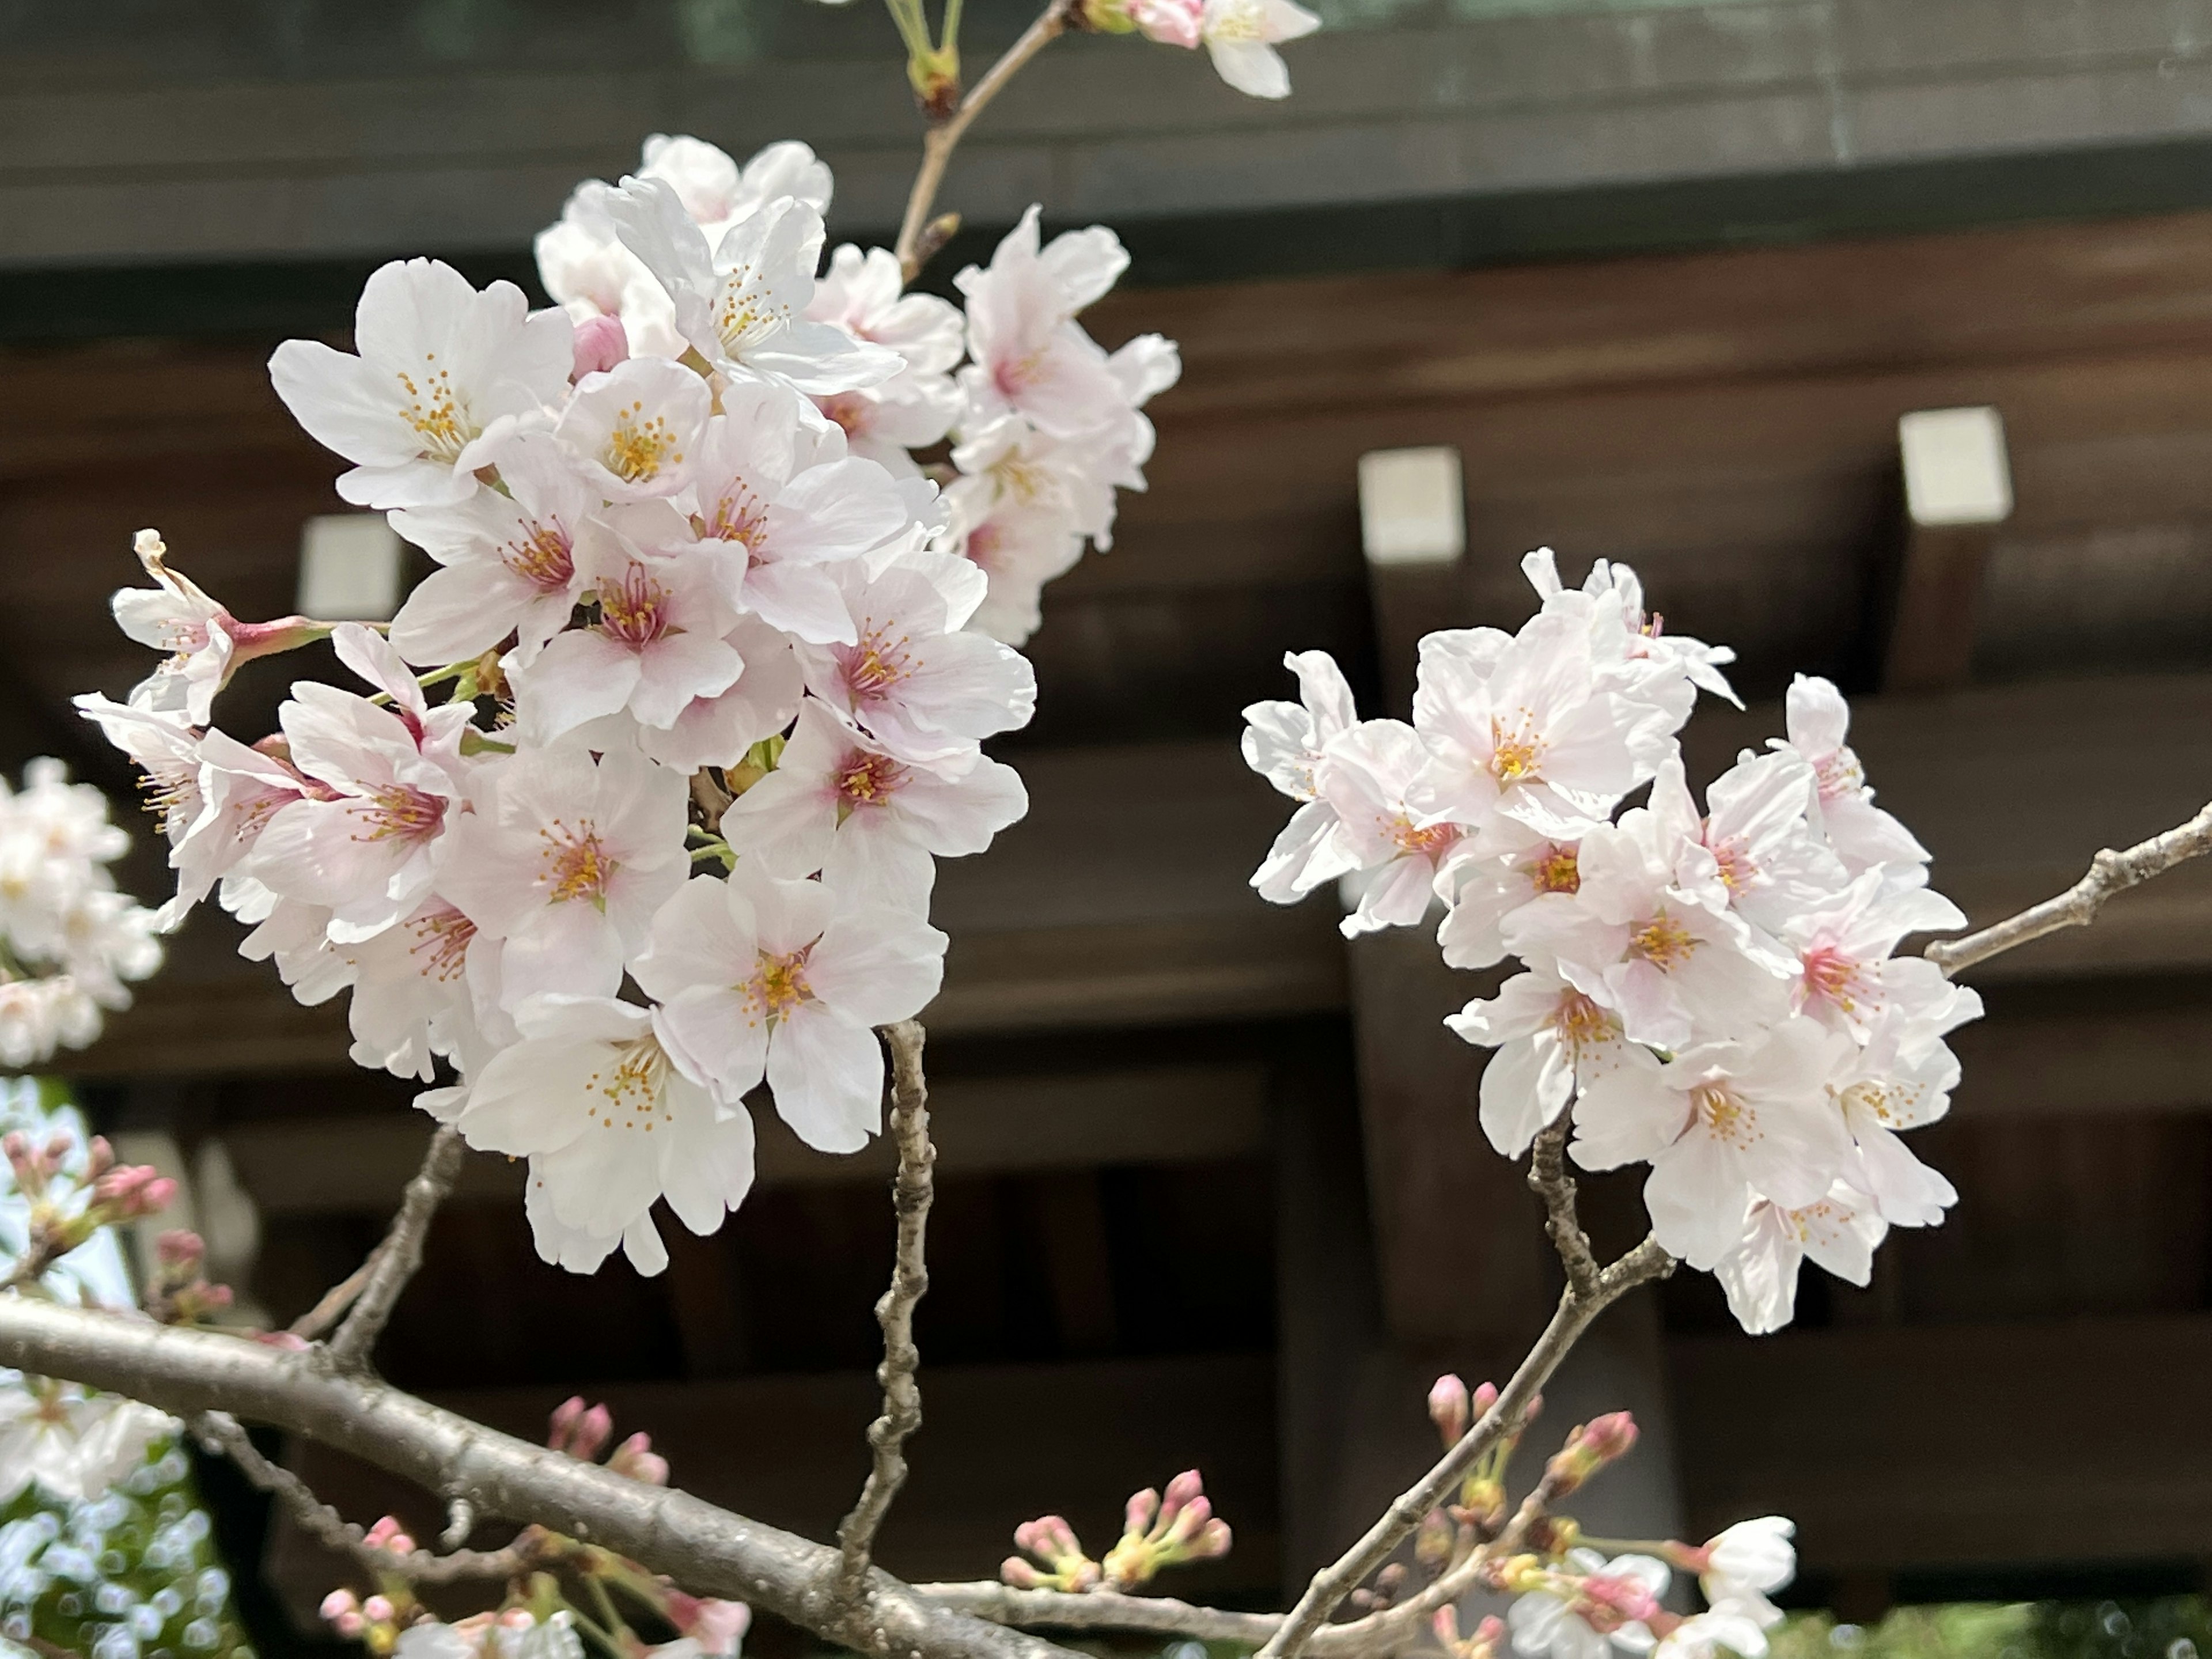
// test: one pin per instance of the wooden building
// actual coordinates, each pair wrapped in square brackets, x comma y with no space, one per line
[1210,1188]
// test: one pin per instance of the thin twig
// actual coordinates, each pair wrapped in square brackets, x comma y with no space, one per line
[401,1253]
[1046,1609]
[219,1431]
[2110,872]
[943,137]
[1576,1310]
[911,1190]
[335,1301]
[1548,1178]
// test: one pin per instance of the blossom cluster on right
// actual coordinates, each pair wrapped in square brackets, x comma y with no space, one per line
[1714,992]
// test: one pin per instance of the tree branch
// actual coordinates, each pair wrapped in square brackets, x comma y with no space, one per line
[219,1431]
[1548,1178]
[918,236]
[395,1260]
[708,1551]
[1102,1610]
[1576,1310]
[911,1191]
[2110,872]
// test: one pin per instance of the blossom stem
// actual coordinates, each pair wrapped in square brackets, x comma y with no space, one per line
[395,1260]
[1548,1178]
[911,1191]
[918,237]
[2109,872]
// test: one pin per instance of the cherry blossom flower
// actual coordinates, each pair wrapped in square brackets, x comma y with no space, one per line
[566,860]
[206,645]
[657,643]
[608,1124]
[1594,1606]
[870,824]
[1366,777]
[1485,890]
[920,688]
[741,302]
[1864,836]
[69,1442]
[717,730]
[864,295]
[1241,37]
[442,369]
[635,427]
[787,980]
[1901,1078]
[1637,656]
[509,558]
[368,844]
[1551,1041]
[1719,1124]
[1284,742]
[1839,1231]
[1018,544]
[1725,1627]
[1747,1563]
[779,504]
[1031,357]
[1846,973]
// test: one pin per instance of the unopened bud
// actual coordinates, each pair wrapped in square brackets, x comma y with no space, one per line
[1432,1543]
[600,343]
[338,1603]
[377,1610]
[1448,1407]
[1189,1520]
[593,1430]
[180,1249]
[1139,1513]
[1019,1573]
[1485,1396]
[562,1423]
[636,1458]
[100,1157]
[1593,1445]
[1180,1490]
[1212,1540]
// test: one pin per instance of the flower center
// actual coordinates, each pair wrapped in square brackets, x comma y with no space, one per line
[1831,975]
[173,795]
[848,409]
[865,780]
[1838,774]
[434,410]
[746,311]
[1736,868]
[574,864]
[399,812]
[1425,841]
[875,665]
[1555,869]
[1724,1116]
[1582,1024]
[777,988]
[1514,750]
[1663,941]
[441,944]
[641,446]
[634,610]
[545,557]
[633,1089]
[740,516]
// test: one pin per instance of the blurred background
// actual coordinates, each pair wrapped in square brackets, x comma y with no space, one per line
[1652,282]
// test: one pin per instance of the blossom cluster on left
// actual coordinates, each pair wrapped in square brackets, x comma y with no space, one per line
[636,805]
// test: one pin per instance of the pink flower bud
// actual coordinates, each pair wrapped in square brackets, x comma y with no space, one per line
[179,1248]
[1180,1490]
[351,1624]
[1535,1410]
[1137,1514]
[378,1610]
[601,342]
[1612,1436]
[1019,1573]
[283,1339]
[1170,22]
[636,1458]
[100,1157]
[563,1422]
[1485,1396]
[1192,1517]
[338,1603]
[1448,1407]
[1213,1540]
[390,1534]
[593,1430]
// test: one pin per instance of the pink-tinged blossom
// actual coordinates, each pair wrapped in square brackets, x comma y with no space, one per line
[1839,1231]
[1636,656]
[1847,974]
[788,979]
[1590,1608]
[368,844]
[1018,544]
[778,503]
[1721,1124]
[1241,37]
[865,294]
[442,367]
[427,986]
[872,824]
[70,1443]
[1863,836]
[1551,1039]
[741,301]
[1366,777]
[1284,741]
[1528,735]
[634,430]
[566,860]
[204,643]
[1755,851]
[909,679]
[657,643]
[717,730]
[1030,356]
[1484,888]
[1170,22]
[610,1125]
[1901,1078]
[510,561]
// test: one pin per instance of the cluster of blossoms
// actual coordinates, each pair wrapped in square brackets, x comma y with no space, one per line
[1573,1602]
[61,1199]
[1713,993]
[537,1617]
[714,656]
[70,941]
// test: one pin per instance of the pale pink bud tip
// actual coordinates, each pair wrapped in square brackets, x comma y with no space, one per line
[593,1430]
[1485,1396]
[1018,1573]
[600,343]
[178,1248]
[1184,1487]
[1138,1513]
[377,1609]
[1213,1540]
[1613,1435]
[338,1603]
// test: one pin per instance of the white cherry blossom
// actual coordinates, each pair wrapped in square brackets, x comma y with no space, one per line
[69,1442]
[1031,357]
[1839,1231]
[441,368]
[1366,777]
[1284,742]
[1863,834]
[1241,37]
[1551,1039]
[636,428]
[786,980]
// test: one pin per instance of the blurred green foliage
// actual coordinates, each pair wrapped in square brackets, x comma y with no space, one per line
[132,1574]
[2170,1627]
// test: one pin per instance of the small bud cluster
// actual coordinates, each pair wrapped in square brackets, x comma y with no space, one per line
[179,1293]
[582,1432]
[1158,1530]
[71,1191]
